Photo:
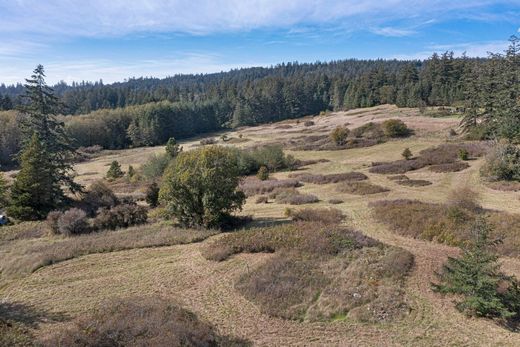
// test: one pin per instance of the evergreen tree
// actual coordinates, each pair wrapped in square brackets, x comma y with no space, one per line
[3,191]
[36,191]
[172,148]
[114,171]
[476,275]
[40,111]
[152,195]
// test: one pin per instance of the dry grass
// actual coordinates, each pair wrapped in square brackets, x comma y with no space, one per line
[292,196]
[320,215]
[331,178]
[450,167]
[320,272]
[26,257]
[360,188]
[505,186]
[139,321]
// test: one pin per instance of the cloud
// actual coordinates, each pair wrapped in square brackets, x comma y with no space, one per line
[393,32]
[472,49]
[119,17]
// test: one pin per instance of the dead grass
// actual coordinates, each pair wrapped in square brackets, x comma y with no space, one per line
[292,196]
[331,178]
[360,188]
[139,321]
[320,273]
[26,257]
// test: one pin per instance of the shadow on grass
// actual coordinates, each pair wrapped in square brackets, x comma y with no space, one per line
[28,315]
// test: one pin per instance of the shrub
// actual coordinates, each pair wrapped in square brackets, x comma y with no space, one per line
[395,128]
[407,154]
[152,195]
[331,178]
[99,196]
[263,173]
[200,187]
[370,131]
[252,185]
[155,166]
[52,221]
[208,141]
[270,156]
[502,163]
[360,188]
[464,198]
[121,216]
[139,321]
[449,167]
[293,197]
[262,199]
[172,148]
[131,172]
[414,183]
[463,154]
[322,215]
[114,171]
[308,123]
[398,178]
[452,133]
[339,135]
[335,201]
[73,222]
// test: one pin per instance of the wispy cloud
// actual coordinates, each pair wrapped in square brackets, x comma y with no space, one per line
[393,32]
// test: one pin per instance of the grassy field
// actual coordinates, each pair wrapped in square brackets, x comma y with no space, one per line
[180,272]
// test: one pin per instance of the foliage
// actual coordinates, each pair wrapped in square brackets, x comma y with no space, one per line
[99,195]
[263,173]
[131,172]
[114,172]
[502,163]
[476,276]
[320,215]
[73,222]
[3,191]
[172,148]
[330,178]
[252,185]
[395,128]
[200,187]
[120,216]
[152,195]
[360,188]
[155,166]
[36,191]
[339,135]
[407,154]
[463,154]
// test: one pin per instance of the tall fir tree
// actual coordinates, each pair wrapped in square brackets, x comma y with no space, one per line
[40,109]
[35,191]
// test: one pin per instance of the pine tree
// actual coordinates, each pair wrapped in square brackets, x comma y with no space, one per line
[3,191]
[407,154]
[40,111]
[172,148]
[114,171]
[35,191]
[476,275]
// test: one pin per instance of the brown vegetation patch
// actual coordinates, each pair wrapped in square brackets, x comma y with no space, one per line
[139,321]
[447,223]
[23,257]
[292,196]
[321,215]
[335,201]
[440,155]
[414,183]
[449,167]
[505,186]
[331,178]
[398,178]
[320,273]
[253,186]
[360,188]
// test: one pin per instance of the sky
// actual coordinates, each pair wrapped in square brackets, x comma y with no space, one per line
[113,40]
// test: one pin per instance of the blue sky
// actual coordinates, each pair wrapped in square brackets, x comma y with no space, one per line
[116,39]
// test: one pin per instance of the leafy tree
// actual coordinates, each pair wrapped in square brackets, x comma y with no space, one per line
[263,173]
[407,154]
[114,172]
[152,195]
[395,128]
[200,187]
[339,135]
[476,276]
[40,111]
[172,148]
[36,191]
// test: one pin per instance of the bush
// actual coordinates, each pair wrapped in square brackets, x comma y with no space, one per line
[263,173]
[360,188]
[139,321]
[52,221]
[395,128]
[331,178]
[463,154]
[339,135]
[155,166]
[369,131]
[262,199]
[308,123]
[414,183]
[200,187]
[114,172]
[73,222]
[335,201]
[208,141]
[252,185]
[449,167]
[464,198]
[502,163]
[98,196]
[172,148]
[322,215]
[121,216]
[293,197]
[152,195]
[407,154]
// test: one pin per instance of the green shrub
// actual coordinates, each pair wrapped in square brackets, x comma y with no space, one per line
[263,173]
[502,163]
[200,187]
[155,166]
[395,128]
[463,154]
[152,195]
[407,154]
[172,148]
[339,135]
[114,172]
